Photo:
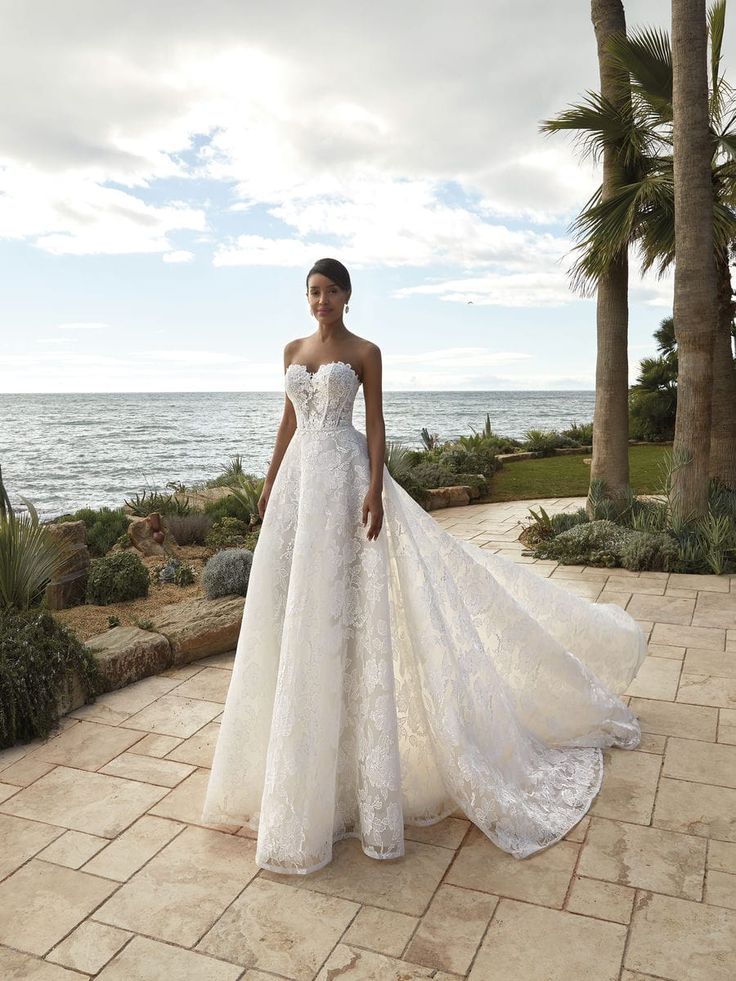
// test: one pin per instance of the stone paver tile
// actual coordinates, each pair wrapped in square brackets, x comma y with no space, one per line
[148,960]
[657,678]
[148,769]
[451,929]
[651,587]
[666,650]
[89,947]
[11,755]
[26,771]
[720,663]
[41,903]
[84,801]
[680,636]
[7,790]
[185,802]
[696,809]
[645,858]
[116,706]
[384,931]
[541,878]
[727,726]
[448,833]
[353,964]
[688,759]
[156,744]
[73,849]
[629,785]
[609,596]
[87,745]
[722,856]
[717,584]
[132,849]
[224,661]
[579,830]
[406,884]
[681,940]
[278,928]
[652,742]
[199,749]
[646,628]
[21,840]
[685,593]
[603,900]
[182,890]
[699,689]
[174,716]
[210,684]
[15,966]
[539,944]
[673,719]
[590,590]
[183,672]
[720,889]
[661,609]
[715,610]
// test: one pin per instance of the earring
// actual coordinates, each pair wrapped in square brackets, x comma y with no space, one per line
[346,308]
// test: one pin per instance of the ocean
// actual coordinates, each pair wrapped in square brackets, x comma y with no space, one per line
[66,451]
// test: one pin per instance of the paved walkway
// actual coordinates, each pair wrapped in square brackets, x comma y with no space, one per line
[105,871]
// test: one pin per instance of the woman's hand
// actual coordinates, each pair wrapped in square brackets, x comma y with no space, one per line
[372,503]
[263,499]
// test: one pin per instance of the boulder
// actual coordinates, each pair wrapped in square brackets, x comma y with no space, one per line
[447,497]
[127,654]
[200,627]
[70,585]
[141,532]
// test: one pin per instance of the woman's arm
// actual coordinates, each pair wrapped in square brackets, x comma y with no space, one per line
[375,431]
[287,428]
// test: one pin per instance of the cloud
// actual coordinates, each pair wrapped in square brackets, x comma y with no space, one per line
[91,325]
[179,256]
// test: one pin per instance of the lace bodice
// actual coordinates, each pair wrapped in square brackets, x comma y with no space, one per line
[323,399]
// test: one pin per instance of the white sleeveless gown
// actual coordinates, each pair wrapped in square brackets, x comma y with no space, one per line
[390,682]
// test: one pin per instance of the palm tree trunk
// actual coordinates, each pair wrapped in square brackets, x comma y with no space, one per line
[723,423]
[695,305]
[610,461]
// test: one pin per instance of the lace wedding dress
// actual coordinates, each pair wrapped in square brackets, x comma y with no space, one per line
[390,682]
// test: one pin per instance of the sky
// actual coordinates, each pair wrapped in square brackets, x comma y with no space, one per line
[170,171]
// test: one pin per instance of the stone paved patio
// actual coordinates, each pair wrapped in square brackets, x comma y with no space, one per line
[105,871]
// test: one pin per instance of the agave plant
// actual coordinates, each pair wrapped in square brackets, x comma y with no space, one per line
[247,489]
[397,460]
[430,440]
[30,556]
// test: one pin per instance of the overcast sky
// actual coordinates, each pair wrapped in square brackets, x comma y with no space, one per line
[169,171]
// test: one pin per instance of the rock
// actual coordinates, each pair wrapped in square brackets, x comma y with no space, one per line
[126,654]
[142,530]
[447,497]
[200,627]
[69,587]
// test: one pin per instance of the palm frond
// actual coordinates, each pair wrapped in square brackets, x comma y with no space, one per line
[646,54]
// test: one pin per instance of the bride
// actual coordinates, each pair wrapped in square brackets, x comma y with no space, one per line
[388,673]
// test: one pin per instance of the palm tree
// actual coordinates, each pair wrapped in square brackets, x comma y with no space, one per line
[610,459]
[695,302]
[642,208]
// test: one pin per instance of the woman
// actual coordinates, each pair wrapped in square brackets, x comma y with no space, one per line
[388,673]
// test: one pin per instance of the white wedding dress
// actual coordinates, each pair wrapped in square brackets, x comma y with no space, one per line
[390,682]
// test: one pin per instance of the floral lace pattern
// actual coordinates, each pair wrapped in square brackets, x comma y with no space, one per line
[385,683]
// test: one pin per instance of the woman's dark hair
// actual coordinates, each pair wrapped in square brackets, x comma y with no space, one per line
[334,270]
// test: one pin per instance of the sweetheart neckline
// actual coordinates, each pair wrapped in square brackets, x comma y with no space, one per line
[296,364]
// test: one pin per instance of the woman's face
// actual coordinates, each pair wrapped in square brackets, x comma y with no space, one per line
[326,299]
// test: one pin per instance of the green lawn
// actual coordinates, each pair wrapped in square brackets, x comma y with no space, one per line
[568,476]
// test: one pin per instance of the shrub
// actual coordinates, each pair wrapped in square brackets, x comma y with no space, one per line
[645,550]
[590,543]
[116,578]
[581,434]
[232,470]
[227,507]
[480,458]
[227,573]
[227,533]
[430,475]
[104,527]
[38,657]
[190,529]
[176,572]
[545,442]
